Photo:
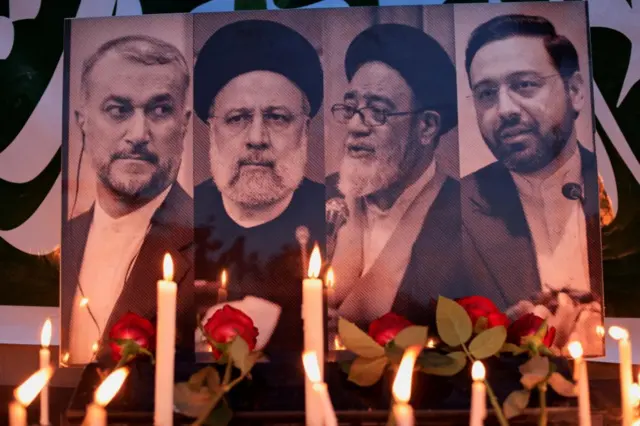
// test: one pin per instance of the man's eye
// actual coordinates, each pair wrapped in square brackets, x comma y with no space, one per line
[278,118]
[485,94]
[118,111]
[237,118]
[162,110]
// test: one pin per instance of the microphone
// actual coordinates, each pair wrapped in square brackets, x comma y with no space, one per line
[337,214]
[573,191]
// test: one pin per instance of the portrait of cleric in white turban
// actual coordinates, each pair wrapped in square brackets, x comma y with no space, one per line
[258,85]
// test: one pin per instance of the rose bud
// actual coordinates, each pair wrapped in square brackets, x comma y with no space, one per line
[528,325]
[386,328]
[131,327]
[479,306]
[229,322]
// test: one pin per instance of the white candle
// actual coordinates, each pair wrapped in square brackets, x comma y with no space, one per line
[96,414]
[45,361]
[222,291]
[624,354]
[25,394]
[313,320]
[402,411]
[478,395]
[581,377]
[165,347]
[312,369]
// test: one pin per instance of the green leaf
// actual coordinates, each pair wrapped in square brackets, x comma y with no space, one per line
[213,380]
[413,335]
[357,341]
[488,343]
[367,371]
[220,416]
[393,352]
[481,325]
[197,379]
[515,403]
[442,365]
[188,402]
[542,331]
[514,349]
[454,324]
[534,371]
[239,352]
[562,386]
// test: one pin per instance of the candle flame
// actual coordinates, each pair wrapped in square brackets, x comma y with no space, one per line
[331,278]
[223,278]
[110,387]
[575,350]
[402,382]
[167,268]
[337,344]
[27,392]
[600,331]
[618,333]
[95,347]
[84,302]
[635,394]
[311,367]
[45,335]
[315,263]
[478,372]
[431,343]
[65,358]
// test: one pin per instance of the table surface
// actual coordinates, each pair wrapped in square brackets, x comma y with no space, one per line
[604,393]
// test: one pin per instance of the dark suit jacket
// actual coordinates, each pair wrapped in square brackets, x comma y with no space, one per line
[435,265]
[171,231]
[497,243]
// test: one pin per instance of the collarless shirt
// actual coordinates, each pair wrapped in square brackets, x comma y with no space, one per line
[557,224]
[110,252]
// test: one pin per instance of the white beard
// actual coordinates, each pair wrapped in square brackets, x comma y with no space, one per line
[257,188]
[359,178]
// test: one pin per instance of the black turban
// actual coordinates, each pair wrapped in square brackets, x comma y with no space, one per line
[255,45]
[420,60]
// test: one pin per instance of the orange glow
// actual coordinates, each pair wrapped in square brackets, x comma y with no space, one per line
[337,344]
[110,387]
[404,376]
[431,343]
[478,372]
[618,333]
[223,278]
[95,347]
[331,278]
[27,392]
[315,263]
[167,268]
[84,302]
[45,335]
[311,367]
[65,358]
[600,331]
[575,350]
[635,394]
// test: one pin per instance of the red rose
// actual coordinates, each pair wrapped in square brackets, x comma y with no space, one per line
[131,327]
[478,306]
[528,325]
[229,322]
[386,328]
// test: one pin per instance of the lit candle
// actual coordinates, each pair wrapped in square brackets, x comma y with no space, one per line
[25,394]
[313,319]
[222,291]
[96,414]
[165,347]
[581,377]
[331,284]
[478,395]
[402,411]
[624,353]
[312,369]
[45,361]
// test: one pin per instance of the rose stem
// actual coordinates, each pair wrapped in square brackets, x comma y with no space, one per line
[542,389]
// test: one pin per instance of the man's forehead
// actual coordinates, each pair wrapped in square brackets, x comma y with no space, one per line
[258,88]
[518,54]
[377,79]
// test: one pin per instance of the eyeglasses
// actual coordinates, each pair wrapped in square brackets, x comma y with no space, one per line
[370,116]
[277,120]
[525,86]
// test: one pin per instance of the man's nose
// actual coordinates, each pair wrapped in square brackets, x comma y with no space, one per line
[258,134]
[508,107]
[356,126]
[138,131]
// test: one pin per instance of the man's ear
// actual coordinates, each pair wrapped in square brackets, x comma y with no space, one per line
[575,87]
[80,119]
[185,123]
[429,127]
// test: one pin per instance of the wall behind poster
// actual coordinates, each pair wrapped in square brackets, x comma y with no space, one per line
[31,79]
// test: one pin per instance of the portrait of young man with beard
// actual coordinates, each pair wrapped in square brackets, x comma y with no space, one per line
[531,218]
[258,84]
[133,116]
[398,247]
